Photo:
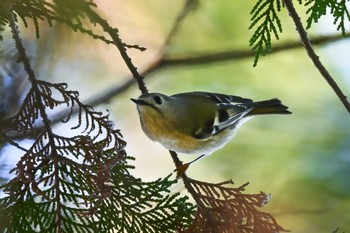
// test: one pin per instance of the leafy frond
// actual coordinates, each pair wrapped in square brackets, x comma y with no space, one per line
[72,13]
[317,8]
[338,8]
[62,175]
[228,209]
[81,183]
[341,14]
[136,206]
[265,21]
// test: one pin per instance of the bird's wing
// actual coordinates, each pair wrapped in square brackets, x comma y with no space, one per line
[222,98]
[229,115]
[231,109]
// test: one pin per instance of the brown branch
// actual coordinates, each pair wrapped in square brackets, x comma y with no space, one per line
[313,56]
[184,177]
[187,182]
[235,54]
[204,58]
[20,48]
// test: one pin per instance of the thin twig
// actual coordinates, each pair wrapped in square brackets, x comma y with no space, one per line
[15,144]
[313,56]
[114,34]
[20,48]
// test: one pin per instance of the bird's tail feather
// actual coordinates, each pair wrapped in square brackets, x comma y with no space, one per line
[272,106]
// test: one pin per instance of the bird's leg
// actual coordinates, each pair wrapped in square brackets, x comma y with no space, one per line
[196,159]
[180,170]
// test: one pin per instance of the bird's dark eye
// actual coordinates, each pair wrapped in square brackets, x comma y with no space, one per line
[158,99]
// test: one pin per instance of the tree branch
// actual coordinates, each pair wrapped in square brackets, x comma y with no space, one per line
[200,59]
[186,180]
[313,56]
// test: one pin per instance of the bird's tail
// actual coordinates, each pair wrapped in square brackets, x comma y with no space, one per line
[272,106]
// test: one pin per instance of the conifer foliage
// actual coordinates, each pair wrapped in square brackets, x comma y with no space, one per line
[266,23]
[81,182]
[223,208]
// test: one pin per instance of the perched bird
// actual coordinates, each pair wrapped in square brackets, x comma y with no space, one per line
[198,122]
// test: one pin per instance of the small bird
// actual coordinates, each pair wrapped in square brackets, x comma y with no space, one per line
[198,122]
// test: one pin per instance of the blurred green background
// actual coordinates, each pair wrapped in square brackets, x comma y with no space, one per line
[302,159]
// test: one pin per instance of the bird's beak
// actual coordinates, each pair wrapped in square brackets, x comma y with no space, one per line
[139,101]
[136,101]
